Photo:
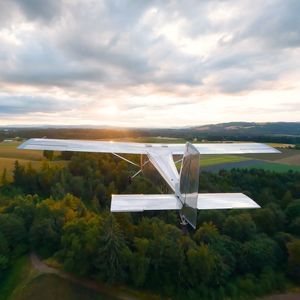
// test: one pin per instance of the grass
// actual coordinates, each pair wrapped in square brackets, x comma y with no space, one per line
[22,282]
[252,164]
[51,286]
[293,161]
[277,167]
[9,164]
[210,160]
[9,154]
[286,154]
[9,150]
[16,276]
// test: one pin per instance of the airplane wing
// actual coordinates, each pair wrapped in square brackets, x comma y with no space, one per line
[142,148]
[160,155]
[135,203]
[84,146]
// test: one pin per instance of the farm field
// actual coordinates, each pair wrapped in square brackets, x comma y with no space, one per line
[9,164]
[9,150]
[252,164]
[210,160]
[288,159]
[9,154]
[287,156]
[276,167]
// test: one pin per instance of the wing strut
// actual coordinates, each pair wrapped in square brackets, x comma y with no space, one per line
[129,161]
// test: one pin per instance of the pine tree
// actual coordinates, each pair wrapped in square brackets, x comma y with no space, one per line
[49,154]
[111,252]
[4,177]
[287,199]
[18,175]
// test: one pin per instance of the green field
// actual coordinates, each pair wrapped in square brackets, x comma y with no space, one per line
[276,167]
[24,282]
[51,286]
[16,277]
[210,160]
[287,156]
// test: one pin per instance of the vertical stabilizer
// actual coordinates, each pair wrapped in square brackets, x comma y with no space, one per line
[189,182]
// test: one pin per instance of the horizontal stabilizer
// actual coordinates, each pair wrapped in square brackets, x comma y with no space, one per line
[144,202]
[225,201]
[135,203]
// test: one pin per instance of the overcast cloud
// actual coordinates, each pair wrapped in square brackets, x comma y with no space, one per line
[149,63]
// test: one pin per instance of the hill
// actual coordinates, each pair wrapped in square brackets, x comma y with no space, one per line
[242,128]
[282,132]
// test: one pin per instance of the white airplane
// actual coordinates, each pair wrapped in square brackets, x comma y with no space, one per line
[185,198]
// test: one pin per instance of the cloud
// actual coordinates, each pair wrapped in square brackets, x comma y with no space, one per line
[143,55]
[276,24]
[45,10]
[23,104]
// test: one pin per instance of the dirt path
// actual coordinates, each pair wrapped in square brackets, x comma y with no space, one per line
[43,268]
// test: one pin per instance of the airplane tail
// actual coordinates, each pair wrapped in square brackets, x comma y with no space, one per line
[189,183]
[190,201]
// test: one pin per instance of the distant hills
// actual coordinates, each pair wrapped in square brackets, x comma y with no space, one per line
[279,132]
[247,128]
[277,128]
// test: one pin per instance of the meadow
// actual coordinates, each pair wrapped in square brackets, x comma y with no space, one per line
[287,160]
[287,156]
[24,282]
[9,154]
[210,160]
[10,150]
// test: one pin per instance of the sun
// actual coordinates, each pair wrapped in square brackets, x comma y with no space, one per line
[111,110]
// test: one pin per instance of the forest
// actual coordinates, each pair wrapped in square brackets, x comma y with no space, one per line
[62,213]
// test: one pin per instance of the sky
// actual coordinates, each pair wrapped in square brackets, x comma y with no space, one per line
[149,63]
